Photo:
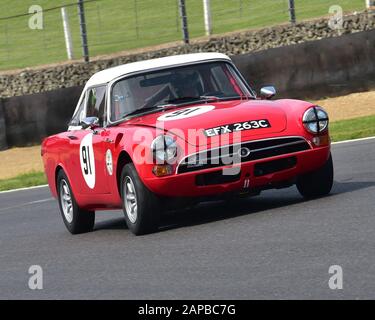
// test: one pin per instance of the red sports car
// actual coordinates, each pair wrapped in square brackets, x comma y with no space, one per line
[151,135]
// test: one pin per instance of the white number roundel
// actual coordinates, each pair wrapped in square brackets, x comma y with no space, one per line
[185,113]
[87,159]
[109,162]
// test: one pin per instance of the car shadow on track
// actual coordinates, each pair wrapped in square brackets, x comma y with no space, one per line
[112,224]
[208,212]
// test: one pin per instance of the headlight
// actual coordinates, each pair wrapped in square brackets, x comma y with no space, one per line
[315,120]
[164,148]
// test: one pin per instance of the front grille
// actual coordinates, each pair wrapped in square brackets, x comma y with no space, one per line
[244,152]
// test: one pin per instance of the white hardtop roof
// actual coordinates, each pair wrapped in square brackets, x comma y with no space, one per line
[107,75]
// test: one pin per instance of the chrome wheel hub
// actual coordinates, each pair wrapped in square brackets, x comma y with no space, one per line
[130,200]
[66,201]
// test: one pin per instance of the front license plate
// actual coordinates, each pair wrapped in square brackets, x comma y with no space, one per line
[236,127]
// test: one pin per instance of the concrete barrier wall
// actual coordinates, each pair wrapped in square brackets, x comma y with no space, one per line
[328,67]
[309,70]
[30,118]
[3,140]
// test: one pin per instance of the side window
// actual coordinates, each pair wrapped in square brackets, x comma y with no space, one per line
[96,104]
[78,116]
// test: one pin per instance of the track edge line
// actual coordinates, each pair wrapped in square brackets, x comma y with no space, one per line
[24,189]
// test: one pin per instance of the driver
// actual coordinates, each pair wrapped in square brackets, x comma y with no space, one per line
[187,85]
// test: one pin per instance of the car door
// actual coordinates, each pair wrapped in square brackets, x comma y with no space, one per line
[88,159]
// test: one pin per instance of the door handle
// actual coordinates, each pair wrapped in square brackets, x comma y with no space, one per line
[71,137]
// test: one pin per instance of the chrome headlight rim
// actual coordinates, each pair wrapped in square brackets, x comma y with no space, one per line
[315,115]
[164,148]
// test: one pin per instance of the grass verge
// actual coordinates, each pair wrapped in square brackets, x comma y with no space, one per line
[353,128]
[340,130]
[23,181]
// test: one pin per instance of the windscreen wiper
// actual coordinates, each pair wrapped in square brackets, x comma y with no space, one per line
[191,98]
[172,103]
[204,98]
[154,108]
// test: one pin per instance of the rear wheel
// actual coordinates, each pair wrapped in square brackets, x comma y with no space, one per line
[75,219]
[141,207]
[317,183]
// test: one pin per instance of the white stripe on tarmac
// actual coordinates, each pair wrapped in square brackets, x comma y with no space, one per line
[354,140]
[46,185]
[22,189]
[26,204]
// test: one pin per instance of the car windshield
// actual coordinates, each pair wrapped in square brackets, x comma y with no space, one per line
[180,85]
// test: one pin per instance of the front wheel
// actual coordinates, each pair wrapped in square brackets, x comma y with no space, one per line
[141,206]
[317,183]
[75,219]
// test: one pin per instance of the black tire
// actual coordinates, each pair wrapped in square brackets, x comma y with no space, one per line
[80,221]
[148,205]
[317,183]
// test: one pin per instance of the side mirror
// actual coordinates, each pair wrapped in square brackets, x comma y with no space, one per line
[90,122]
[267,92]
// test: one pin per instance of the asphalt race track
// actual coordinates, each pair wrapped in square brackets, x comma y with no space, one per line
[274,246]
